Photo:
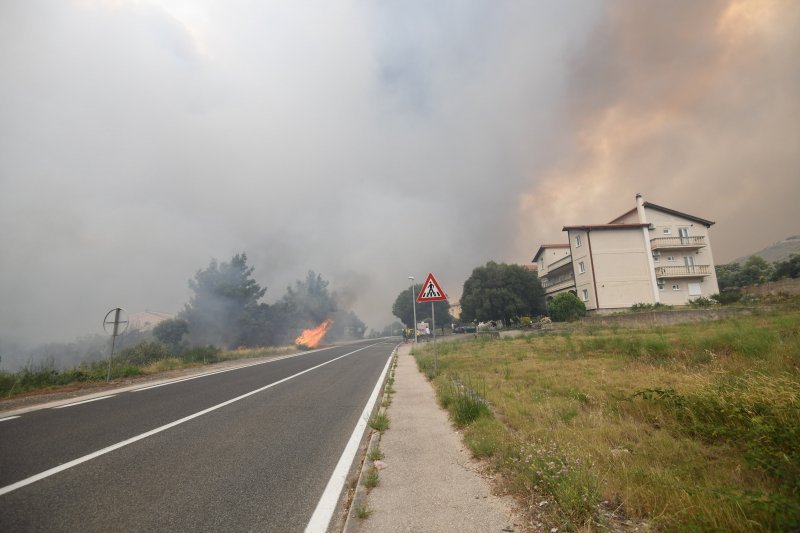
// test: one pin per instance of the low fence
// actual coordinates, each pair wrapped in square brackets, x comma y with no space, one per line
[666,318]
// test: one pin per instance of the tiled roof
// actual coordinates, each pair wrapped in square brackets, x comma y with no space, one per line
[543,247]
[706,223]
[595,227]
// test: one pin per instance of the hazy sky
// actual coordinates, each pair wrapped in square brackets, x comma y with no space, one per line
[370,141]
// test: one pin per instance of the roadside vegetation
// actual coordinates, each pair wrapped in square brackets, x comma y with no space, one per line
[684,427]
[145,358]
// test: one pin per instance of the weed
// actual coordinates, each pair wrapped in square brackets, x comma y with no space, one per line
[484,437]
[463,401]
[363,511]
[375,454]
[379,422]
[371,478]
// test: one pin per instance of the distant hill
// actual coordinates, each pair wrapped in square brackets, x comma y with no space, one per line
[777,252]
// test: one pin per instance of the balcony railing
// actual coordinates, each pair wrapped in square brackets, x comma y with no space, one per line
[548,283]
[683,271]
[665,243]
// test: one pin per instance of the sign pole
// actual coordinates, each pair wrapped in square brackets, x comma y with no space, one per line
[113,341]
[118,321]
[433,326]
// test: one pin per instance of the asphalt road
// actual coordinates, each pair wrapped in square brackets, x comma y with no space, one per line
[259,463]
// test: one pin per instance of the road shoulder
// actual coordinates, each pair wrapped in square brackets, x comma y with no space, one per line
[429,482]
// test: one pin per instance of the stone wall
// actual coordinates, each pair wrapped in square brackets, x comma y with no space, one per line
[788,285]
[666,318]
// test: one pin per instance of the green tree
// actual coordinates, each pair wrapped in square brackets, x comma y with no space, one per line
[170,333]
[788,268]
[224,309]
[728,276]
[755,271]
[403,308]
[566,307]
[501,291]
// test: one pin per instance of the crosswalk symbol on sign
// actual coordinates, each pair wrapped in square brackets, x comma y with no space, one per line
[431,291]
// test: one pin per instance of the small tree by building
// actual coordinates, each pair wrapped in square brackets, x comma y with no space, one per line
[566,307]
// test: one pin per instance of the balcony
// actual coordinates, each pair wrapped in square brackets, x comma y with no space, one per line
[558,283]
[677,243]
[690,271]
[566,260]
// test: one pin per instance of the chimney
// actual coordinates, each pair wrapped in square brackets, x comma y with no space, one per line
[640,209]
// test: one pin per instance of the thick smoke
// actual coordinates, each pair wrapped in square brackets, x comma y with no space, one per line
[368,142]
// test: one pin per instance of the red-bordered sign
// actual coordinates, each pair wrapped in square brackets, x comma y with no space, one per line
[431,291]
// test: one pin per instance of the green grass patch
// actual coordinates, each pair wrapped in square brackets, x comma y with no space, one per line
[683,427]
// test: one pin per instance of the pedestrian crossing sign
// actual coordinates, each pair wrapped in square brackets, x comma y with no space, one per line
[431,291]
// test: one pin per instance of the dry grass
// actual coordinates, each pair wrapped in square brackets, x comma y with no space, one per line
[690,426]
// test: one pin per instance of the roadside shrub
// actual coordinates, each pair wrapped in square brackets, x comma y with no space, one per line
[566,307]
[143,354]
[201,354]
[701,301]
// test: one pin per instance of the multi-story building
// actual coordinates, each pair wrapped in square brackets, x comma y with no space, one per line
[650,254]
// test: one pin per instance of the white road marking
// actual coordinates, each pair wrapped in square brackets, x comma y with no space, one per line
[8,418]
[330,497]
[84,401]
[122,444]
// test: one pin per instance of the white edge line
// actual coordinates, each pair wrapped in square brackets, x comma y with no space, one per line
[84,401]
[122,444]
[9,418]
[211,373]
[330,497]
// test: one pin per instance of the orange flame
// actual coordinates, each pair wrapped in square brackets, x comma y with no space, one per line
[312,337]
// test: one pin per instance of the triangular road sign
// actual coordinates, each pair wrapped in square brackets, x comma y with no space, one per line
[431,291]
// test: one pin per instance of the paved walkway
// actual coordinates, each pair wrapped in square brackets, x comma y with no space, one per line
[430,483]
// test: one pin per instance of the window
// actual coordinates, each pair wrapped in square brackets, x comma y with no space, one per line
[585,295]
[671,258]
[581,267]
[661,285]
[676,286]
[656,256]
[667,231]
[577,241]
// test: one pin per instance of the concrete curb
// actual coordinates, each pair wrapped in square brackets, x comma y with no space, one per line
[352,521]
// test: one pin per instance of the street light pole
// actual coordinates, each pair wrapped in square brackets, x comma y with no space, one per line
[414,305]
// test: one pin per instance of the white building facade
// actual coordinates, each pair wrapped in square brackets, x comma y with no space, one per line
[650,254]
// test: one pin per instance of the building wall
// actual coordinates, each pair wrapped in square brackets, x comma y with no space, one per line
[621,267]
[703,256]
[550,256]
[579,248]
[664,221]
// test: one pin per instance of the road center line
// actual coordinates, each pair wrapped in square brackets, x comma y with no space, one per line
[327,503]
[122,444]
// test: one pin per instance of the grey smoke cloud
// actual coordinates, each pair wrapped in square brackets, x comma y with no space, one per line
[365,142]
